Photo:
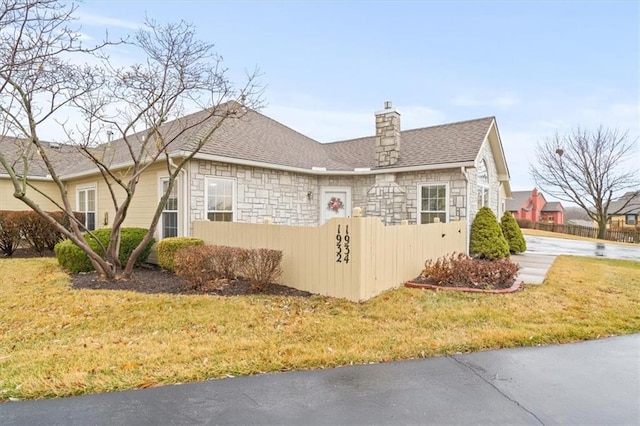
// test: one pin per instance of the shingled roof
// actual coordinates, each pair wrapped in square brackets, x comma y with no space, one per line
[633,206]
[519,198]
[260,139]
[436,145]
[553,206]
[65,158]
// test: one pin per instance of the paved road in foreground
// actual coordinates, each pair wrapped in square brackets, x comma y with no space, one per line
[596,382]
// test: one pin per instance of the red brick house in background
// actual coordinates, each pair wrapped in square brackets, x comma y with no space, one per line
[534,207]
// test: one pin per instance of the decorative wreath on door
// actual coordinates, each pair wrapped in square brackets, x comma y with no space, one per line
[335,204]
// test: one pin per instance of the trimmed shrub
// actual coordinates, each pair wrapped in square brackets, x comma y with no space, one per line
[194,264]
[225,261]
[72,258]
[512,233]
[203,264]
[38,233]
[260,266]
[129,240]
[76,260]
[167,248]
[10,227]
[460,270]
[487,241]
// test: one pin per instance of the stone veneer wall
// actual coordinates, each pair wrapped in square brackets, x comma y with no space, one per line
[457,191]
[387,200]
[387,137]
[261,193]
[496,192]
[282,196]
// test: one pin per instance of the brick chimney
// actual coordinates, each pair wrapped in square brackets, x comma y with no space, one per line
[387,136]
[534,202]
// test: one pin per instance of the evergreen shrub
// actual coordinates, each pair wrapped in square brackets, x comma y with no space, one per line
[487,241]
[512,233]
[167,248]
[76,260]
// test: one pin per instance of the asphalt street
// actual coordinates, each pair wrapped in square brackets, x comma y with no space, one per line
[595,382]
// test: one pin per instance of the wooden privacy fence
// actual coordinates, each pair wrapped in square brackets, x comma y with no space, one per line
[354,258]
[621,235]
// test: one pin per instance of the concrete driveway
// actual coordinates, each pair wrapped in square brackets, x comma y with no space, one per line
[596,382]
[557,246]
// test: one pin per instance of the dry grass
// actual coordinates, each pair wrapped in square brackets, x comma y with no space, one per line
[55,341]
[539,233]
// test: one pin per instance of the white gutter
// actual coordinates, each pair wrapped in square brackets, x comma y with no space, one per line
[358,171]
[116,166]
[318,171]
[42,178]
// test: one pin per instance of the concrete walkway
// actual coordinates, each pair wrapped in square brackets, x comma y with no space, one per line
[596,382]
[533,267]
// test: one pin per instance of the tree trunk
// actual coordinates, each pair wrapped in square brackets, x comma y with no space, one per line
[602,229]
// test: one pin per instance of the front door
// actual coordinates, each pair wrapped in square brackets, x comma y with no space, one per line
[335,201]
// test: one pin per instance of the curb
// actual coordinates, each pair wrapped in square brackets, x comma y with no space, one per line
[515,287]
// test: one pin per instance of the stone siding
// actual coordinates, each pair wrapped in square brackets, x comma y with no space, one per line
[284,196]
[387,137]
[496,192]
[457,191]
[260,193]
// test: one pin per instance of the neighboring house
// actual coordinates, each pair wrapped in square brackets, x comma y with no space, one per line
[255,168]
[531,205]
[625,217]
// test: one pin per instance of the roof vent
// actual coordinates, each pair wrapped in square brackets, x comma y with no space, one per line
[388,105]
[54,145]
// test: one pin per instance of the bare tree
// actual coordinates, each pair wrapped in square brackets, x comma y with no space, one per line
[587,168]
[571,213]
[142,104]
[37,80]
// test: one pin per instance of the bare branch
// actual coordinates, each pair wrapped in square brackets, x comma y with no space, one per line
[145,105]
[587,168]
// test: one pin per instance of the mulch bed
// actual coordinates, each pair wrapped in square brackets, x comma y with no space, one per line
[155,280]
[151,279]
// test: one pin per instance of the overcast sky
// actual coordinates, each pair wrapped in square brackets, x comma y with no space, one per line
[538,67]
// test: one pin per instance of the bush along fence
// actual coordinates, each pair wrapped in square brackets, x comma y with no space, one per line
[26,227]
[353,258]
[627,236]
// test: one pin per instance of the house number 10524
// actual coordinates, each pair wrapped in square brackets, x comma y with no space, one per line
[342,245]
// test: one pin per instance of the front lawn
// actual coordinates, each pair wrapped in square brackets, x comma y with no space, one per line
[55,341]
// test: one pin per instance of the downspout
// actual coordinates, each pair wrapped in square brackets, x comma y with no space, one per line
[463,170]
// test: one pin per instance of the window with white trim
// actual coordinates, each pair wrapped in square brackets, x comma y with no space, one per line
[482,179]
[219,199]
[433,201]
[86,203]
[169,219]
[631,219]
